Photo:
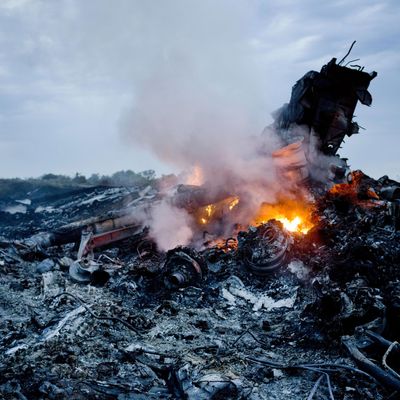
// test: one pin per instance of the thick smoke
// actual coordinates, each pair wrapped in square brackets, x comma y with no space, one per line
[203,103]
[170,226]
[319,164]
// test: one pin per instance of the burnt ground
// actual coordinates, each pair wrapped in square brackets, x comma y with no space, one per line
[233,335]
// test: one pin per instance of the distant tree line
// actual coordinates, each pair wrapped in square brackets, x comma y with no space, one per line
[16,186]
[120,178]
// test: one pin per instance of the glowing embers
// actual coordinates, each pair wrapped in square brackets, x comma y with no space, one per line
[233,203]
[215,211]
[359,187]
[295,215]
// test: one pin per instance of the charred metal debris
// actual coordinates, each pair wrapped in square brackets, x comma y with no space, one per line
[325,102]
[91,309]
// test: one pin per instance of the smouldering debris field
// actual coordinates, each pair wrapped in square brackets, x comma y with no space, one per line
[210,285]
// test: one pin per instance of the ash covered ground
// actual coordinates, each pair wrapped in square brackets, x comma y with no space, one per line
[296,332]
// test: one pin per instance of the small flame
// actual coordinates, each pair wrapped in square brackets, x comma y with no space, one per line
[233,203]
[209,209]
[215,211]
[292,225]
[206,214]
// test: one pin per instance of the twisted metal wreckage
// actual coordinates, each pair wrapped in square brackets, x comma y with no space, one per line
[224,321]
[323,101]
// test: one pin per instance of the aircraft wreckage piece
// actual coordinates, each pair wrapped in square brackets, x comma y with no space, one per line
[391,193]
[192,197]
[90,233]
[84,269]
[264,249]
[324,102]
[183,267]
[71,233]
[291,162]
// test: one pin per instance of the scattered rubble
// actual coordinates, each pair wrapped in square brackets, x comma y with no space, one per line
[190,324]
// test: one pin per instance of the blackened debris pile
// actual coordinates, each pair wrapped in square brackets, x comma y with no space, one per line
[225,321]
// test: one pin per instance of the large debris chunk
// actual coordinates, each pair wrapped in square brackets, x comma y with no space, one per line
[184,267]
[324,102]
[264,249]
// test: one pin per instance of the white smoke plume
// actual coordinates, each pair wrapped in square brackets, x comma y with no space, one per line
[170,226]
[202,102]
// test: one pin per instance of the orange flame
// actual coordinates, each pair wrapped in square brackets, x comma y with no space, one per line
[357,190]
[208,213]
[294,215]
[233,203]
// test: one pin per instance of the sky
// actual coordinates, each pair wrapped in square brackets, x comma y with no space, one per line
[76,76]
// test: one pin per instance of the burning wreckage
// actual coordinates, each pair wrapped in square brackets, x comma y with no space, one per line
[300,299]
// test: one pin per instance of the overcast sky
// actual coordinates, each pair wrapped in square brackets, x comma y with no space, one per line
[72,72]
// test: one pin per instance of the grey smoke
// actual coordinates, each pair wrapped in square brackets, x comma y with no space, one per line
[170,226]
[203,100]
[203,103]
